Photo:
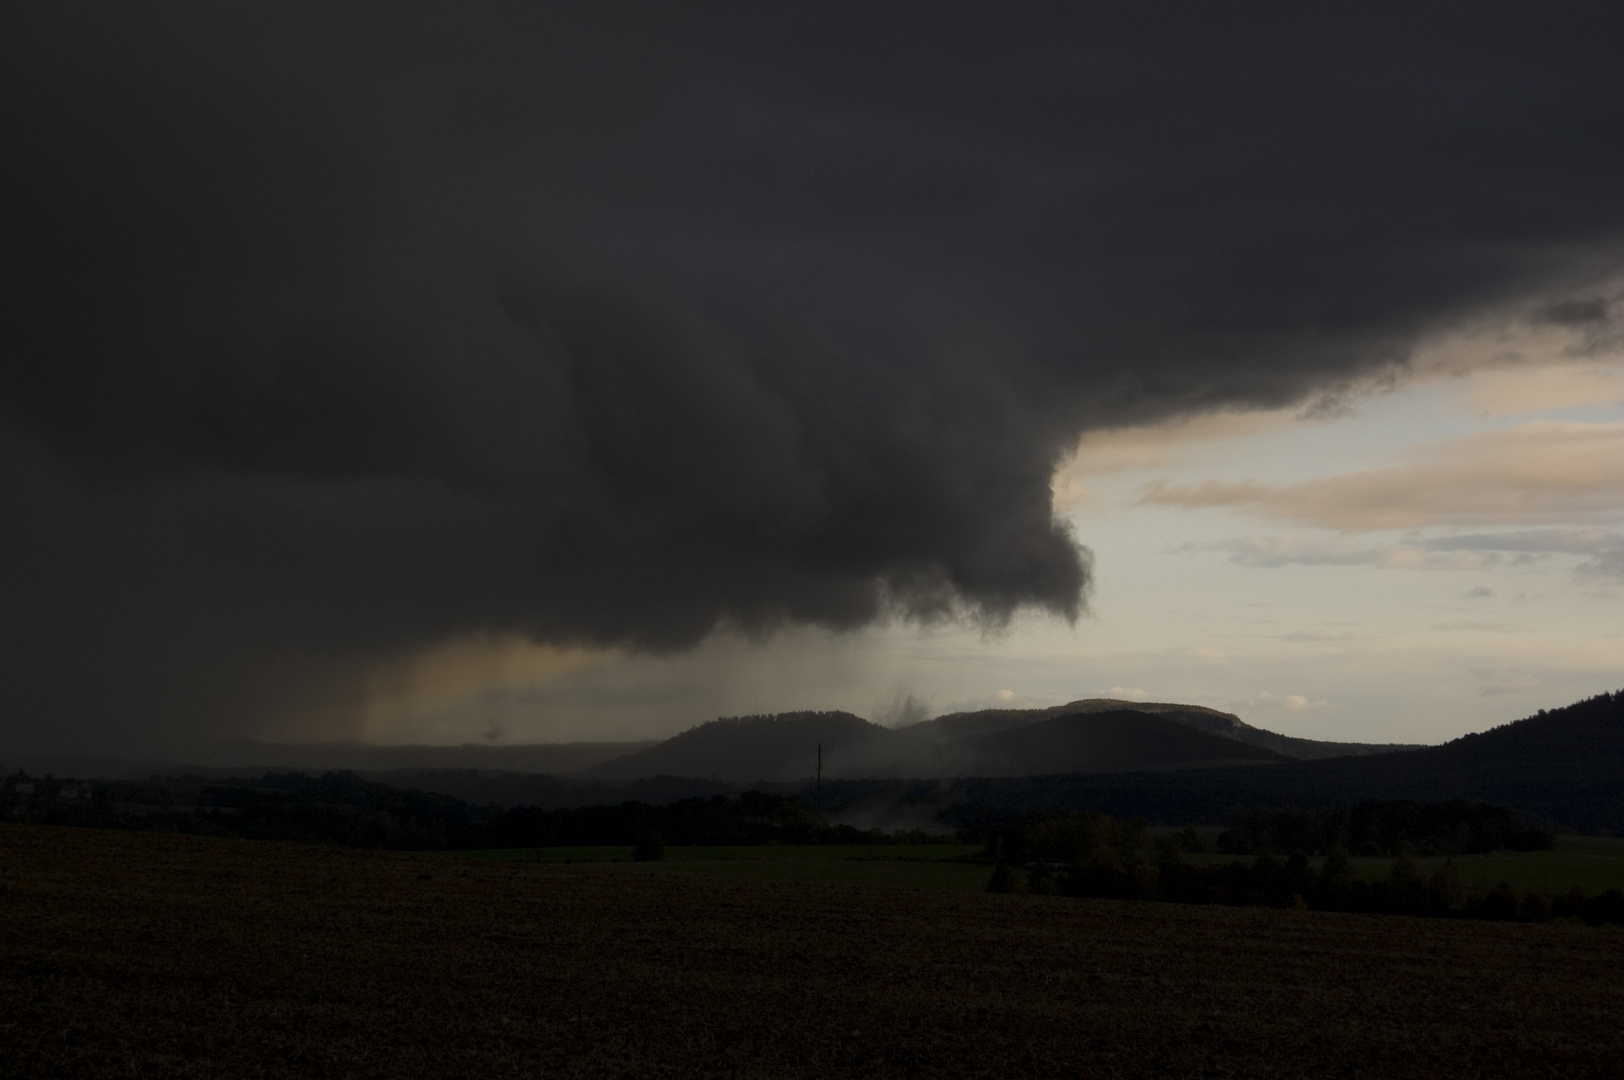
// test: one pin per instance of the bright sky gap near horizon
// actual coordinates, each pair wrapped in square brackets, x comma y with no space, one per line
[1401,591]
[412,372]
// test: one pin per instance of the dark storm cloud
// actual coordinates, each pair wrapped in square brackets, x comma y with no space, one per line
[334,331]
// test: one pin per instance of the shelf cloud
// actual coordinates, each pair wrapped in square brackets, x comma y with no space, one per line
[335,332]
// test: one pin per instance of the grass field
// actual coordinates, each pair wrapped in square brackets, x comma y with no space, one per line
[938,867]
[142,954]
[1594,864]
[1591,863]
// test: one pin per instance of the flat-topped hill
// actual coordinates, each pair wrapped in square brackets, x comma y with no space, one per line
[787,747]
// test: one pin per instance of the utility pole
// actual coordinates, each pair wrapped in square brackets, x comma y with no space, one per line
[819,796]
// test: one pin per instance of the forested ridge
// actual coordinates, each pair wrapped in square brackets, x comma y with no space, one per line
[1565,765]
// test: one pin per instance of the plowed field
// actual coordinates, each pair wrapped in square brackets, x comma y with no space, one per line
[154,955]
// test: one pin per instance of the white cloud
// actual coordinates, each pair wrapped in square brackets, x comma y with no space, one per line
[1532,473]
[1534,389]
[1486,626]
[1606,564]
[1533,541]
[1265,701]
[1493,682]
[1319,637]
[1469,551]
[1272,552]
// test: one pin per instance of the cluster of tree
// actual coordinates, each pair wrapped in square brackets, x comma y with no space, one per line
[335,808]
[1098,856]
[1456,827]
[752,817]
[342,808]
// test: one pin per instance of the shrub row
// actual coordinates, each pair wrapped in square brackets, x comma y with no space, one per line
[342,808]
[1097,856]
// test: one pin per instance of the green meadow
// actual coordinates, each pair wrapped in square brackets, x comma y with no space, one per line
[937,867]
[1594,864]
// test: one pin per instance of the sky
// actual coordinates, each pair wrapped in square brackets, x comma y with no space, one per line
[518,372]
[1447,557]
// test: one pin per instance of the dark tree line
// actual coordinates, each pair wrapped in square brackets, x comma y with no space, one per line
[1456,827]
[335,808]
[342,808]
[752,817]
[1098,856]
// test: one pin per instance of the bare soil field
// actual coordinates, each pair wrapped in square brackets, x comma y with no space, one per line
[126,954]
[937,867]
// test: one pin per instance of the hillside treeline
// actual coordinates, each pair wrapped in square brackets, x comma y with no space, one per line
[1563,765]
[1099,856]
[342,808]
[1455,827]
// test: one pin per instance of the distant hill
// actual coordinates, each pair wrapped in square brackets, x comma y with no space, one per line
[1156,761]
[1233,727]
[1225,724]
[1553,763]
[1103,742]
[1565,766]
[994,743]
[749,748]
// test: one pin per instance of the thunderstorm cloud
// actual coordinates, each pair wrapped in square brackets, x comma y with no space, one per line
[333,332]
